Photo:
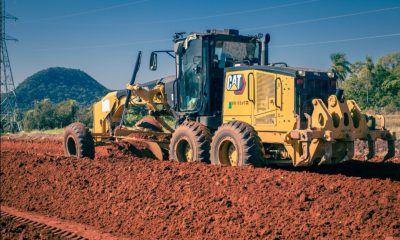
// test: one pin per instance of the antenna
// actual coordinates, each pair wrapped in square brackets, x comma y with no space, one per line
[8,108]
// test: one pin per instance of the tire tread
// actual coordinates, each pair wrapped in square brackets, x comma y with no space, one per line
[248,138]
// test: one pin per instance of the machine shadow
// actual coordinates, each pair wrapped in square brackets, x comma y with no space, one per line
[354,168]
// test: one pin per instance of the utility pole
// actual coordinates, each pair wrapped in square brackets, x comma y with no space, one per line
[9,121]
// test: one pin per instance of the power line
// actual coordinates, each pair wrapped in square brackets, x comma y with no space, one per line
[335,41]
[236,12]
[321,19]
[86,12]
[245,29]
[175,20]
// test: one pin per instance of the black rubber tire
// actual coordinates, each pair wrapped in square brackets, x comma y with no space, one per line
[194,135]
[78,141]
[245,141]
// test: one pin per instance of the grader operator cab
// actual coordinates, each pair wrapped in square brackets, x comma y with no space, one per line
[233,107]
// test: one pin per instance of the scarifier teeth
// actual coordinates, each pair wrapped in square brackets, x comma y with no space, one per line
[391,150]
[306,151]
[350,152]
[327,155]
[371,150]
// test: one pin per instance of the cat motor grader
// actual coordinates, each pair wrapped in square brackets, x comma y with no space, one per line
[232,107]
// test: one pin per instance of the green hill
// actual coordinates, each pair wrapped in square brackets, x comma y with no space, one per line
[59,84]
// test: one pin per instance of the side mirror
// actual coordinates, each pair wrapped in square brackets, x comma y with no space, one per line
[153,61]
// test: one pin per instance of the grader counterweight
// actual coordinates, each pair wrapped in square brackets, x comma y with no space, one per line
[232,107]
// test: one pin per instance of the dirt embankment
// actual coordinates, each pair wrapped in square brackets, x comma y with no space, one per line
[142,198]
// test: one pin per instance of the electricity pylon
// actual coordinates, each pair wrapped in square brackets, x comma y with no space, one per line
[9,121]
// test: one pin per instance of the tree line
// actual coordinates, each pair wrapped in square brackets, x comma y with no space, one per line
[47,115]
[373,85]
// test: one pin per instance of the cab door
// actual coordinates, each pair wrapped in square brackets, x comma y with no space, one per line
[191,77]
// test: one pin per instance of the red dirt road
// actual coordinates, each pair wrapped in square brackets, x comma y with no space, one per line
[141,198]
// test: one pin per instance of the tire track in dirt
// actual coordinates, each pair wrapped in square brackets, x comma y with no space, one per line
[52,227]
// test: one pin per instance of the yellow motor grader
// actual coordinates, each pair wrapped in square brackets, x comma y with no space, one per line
[232,107]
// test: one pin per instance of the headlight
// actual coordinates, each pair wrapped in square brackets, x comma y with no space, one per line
[301,73]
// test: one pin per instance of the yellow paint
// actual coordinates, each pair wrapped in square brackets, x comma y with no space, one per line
[267,102]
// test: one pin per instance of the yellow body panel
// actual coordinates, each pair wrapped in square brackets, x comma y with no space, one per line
[236,102]
[266,101]
[102,110]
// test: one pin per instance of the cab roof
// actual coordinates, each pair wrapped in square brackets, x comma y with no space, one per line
[213,32]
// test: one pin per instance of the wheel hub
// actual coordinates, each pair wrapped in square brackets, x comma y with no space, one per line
[232,155]
[228,153]
[184,152]
[188,153]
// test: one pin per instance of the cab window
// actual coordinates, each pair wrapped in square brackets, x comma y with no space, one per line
[192,74]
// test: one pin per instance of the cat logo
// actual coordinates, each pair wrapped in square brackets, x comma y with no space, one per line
[236,83]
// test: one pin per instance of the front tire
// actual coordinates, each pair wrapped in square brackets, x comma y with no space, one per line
[78,141]
[190,142]
[236,144]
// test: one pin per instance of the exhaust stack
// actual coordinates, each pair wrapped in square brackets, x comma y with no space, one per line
[264,49]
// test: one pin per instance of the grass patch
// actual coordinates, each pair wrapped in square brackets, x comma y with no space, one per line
[49,131]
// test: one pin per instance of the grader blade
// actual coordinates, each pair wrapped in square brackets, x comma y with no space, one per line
[146,145]
[155,149]
[145,135]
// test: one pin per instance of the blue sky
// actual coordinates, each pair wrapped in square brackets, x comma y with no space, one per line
[103,37]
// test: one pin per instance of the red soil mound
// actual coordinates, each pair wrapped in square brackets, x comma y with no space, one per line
[147,199]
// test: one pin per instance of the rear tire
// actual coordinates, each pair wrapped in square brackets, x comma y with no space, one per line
[236,144]
[78,141]
[190,142]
